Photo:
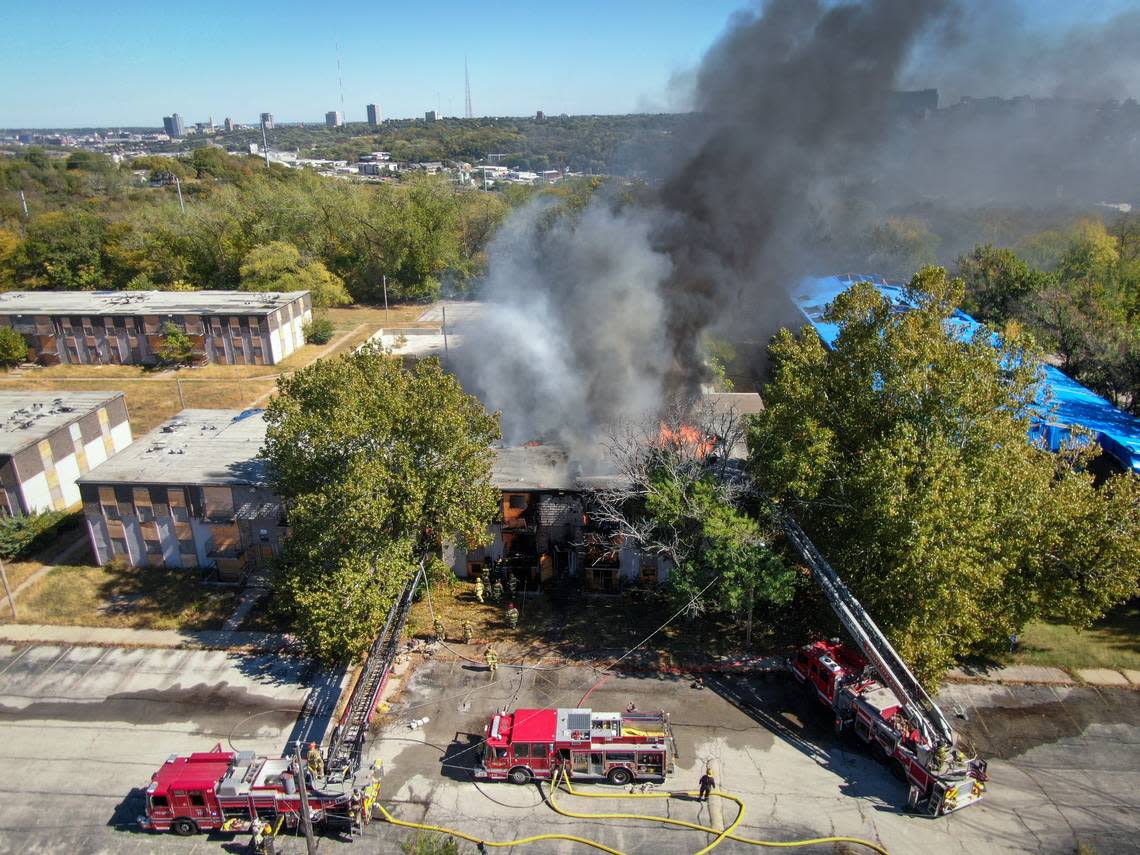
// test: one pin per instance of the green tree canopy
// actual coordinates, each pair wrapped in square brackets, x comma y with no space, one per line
[379,464]
[175,347]
[62,250]
[998,283]
[904,454]
[13,348]
[279,266]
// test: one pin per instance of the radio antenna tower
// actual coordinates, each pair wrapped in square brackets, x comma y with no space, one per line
[339,77]
[467,86]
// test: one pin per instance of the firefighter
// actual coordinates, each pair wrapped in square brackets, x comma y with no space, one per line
[512,583]
[497,590]
[439,631]
[707,783]
[941,753]
[315,761]
[492,658]
[468,632]
[479,589]
[356,808]
[512,615]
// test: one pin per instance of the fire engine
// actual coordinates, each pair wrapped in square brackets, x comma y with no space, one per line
[226,790]
[876,697]
[615,747]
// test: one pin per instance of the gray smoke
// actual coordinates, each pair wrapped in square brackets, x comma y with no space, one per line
[791,152]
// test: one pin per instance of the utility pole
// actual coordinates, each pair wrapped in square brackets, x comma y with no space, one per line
[181,204]
[181,399]
[384,279]
[306,817]
[7,590]
[24,203]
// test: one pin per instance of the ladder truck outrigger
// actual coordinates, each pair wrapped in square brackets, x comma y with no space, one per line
[875,696]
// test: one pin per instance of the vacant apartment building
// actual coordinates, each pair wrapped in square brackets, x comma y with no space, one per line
[191,493]
[127,327]
[49,439]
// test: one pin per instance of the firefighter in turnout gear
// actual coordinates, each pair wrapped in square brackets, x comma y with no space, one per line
[356,809]
[492,659]
[479,589]
[707,783]
[497,590]
[315,761]
[468,632]
[512,583]
[512,616]
[439,631]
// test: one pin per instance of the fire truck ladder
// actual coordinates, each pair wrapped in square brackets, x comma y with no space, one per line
[888,665]
[347,744]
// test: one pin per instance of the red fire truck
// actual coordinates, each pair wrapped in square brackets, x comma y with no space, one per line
[615,747]
[226,790]
[875,696]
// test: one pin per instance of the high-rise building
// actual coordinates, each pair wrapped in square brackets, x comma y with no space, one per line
[267,121]
[174,125]
[228,124]
[373,114]
[334,119]
[430,116]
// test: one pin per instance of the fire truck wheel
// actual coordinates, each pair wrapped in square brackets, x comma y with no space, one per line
[878,752]
[619,777]
[184,827]
[519,775]
[898,769]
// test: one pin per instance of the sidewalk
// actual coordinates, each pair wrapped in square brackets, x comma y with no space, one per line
[1041,675]
[104,636]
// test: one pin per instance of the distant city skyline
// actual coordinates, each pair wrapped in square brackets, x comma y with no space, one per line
[70,64]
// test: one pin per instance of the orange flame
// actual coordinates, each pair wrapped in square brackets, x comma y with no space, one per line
[685,437]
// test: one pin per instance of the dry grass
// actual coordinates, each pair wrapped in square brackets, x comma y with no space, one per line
[155,396]
[128,597]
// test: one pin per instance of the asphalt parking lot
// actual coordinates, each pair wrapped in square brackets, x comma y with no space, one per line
[83,729]
[1065,764]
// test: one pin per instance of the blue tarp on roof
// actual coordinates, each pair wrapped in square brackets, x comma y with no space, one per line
[1117,432]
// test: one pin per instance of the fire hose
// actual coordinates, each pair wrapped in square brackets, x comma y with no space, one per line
[720,834]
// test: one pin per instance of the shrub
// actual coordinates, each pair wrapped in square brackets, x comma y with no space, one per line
[13,348]
[21,536]
[319,331]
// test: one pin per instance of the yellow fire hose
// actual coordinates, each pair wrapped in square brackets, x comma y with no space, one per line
[721,835]
[727,834]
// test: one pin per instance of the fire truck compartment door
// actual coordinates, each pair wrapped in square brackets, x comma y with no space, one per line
[597,763]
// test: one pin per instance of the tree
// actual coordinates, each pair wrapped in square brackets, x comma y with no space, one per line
[175,347]
[998,283]
[62,250]
[318,331]
[279,266]
[686,500]
[900,245]
[13,347]
[378,464]
[904,453]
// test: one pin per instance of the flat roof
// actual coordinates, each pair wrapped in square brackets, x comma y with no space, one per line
[29,417]
[548,467]
[100,303]
[204,447]
[1065,403]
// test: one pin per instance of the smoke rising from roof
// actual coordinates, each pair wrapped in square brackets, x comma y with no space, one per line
[598,315]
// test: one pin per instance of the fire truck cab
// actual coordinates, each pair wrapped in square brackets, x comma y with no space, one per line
[617,747]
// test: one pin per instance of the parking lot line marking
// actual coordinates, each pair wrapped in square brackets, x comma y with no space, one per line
[17,658]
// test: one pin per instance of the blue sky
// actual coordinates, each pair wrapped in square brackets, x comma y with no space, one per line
[70,64]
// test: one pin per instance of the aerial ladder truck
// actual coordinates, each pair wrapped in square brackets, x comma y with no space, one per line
[874,695]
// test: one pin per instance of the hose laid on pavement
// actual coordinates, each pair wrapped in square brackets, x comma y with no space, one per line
[726,834]
[503,843]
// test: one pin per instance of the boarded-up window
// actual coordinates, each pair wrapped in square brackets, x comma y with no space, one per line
[178,509]
[219,503]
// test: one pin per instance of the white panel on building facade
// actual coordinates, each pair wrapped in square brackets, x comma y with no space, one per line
[67,470]
[96,452]
[37,494]
[121,435]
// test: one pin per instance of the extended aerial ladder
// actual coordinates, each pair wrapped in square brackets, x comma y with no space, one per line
[888,665]
[347,744]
